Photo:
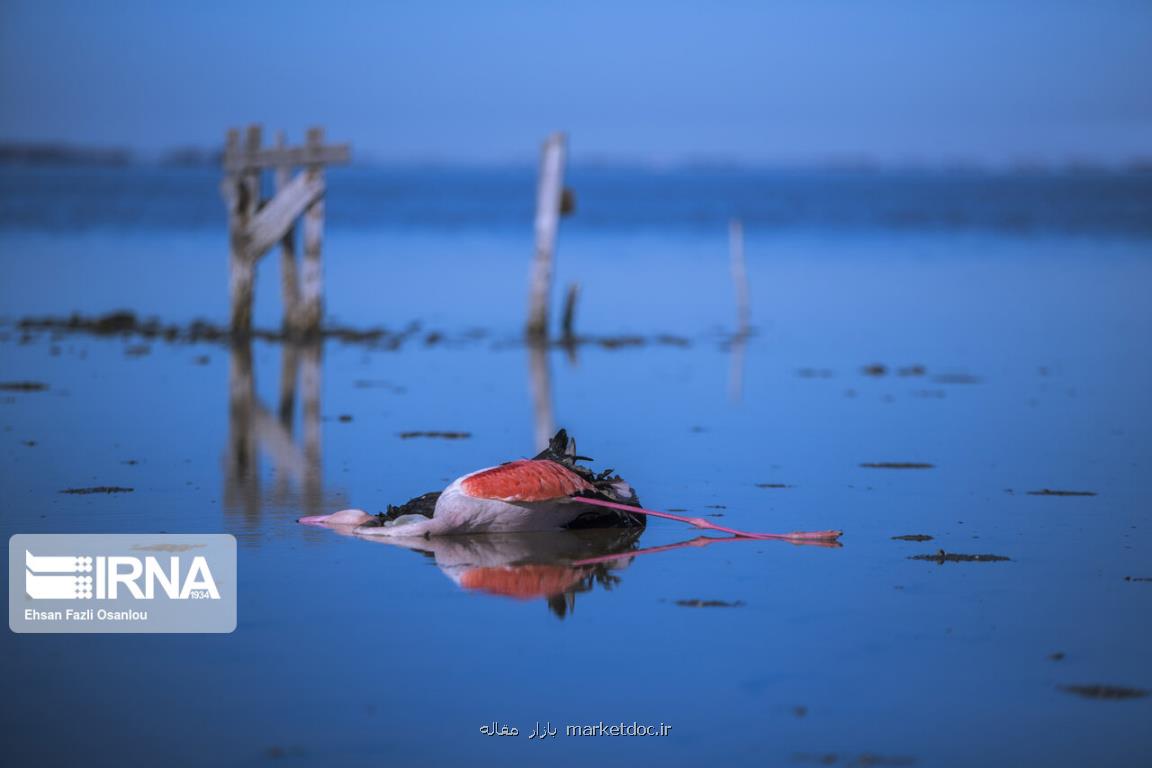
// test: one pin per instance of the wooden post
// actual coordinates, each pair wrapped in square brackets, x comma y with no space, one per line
[739,275]
[312,275]
[242,265]
[289,280]
[549,196]
[256,226]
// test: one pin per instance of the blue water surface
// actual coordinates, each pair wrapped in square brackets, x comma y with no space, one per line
[1010,358]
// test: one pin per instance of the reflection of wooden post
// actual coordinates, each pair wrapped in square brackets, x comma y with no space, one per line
[310,384]
[549,195]
[289,281]
[256,432]
[736,371]
[739,274]
[242,266]
[540,376]
[242,473]
[289,367]
[568,318]
[312,276]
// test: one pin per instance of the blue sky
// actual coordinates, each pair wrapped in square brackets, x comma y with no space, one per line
[792,82]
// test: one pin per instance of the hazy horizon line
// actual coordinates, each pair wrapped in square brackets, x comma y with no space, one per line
[51,152]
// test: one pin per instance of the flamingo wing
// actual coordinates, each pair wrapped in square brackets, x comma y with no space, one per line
[525,480]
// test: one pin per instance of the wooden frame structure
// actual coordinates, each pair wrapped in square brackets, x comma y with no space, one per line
[256,225]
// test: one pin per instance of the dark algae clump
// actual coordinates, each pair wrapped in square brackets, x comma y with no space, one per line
[23,386]
[897,465]
[698,603]
[1113,692]
[1050,492]
[952,557]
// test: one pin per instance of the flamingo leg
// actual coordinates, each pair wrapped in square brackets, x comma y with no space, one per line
[700,522]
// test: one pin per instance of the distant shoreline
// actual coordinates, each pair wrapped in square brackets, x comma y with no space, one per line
[62,154]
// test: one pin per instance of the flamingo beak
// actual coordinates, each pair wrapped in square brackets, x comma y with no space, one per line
[343,517]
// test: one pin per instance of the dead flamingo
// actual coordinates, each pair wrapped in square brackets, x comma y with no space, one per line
[547,492]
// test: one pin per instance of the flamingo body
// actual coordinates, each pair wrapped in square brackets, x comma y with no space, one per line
[538,494]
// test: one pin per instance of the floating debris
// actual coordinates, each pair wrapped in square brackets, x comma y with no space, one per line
[698,603]
[23,386]
[772,485]
[911,370]
[1137,578]
[1050,492]
[913,537]
[866,759]
[875,369]
[951,557]
[344,418]
[1057,656]
[897,465]
[440,435]
[97,489]
[1114,692]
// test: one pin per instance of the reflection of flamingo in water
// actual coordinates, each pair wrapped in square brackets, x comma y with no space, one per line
[530,566]
[548,492]
[551,565]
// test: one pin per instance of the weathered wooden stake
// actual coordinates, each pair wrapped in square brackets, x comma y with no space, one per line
[256,226]
[549,196]
[312,274]
[289,280]
[739,275]
[244,204]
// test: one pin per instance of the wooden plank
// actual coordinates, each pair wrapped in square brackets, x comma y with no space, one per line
[548,200]
[289,280]
[333,154]
[269,226]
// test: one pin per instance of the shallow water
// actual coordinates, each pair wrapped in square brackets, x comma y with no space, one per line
[1036,375]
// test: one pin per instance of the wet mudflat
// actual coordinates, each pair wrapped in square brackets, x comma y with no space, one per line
[353,652]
